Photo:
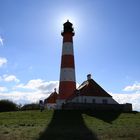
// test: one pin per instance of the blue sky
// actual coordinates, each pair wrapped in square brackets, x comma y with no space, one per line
[106,44]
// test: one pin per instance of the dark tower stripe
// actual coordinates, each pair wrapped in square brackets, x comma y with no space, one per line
[68,37]
[67,61]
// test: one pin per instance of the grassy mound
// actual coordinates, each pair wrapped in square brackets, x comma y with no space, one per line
[69,125]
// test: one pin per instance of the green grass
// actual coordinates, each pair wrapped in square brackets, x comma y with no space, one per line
[69,125]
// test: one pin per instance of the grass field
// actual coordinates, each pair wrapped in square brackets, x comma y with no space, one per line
[69,125]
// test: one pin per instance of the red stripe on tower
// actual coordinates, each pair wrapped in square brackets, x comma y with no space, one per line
[67,84]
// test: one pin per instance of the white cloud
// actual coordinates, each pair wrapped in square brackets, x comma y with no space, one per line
[40,90]
[10,78]
[3,89]
[40,85]
[1,41]
[23,97]
[133,98]
[2,61]
[134,87]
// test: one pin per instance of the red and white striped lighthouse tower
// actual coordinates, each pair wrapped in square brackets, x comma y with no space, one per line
[67,84]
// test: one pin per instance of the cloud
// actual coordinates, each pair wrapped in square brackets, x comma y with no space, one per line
[23,97]
[10,78]
[134,87]
[1,41]
[2,61]
[3,89]
[39,89]
[133,98]
[40,85]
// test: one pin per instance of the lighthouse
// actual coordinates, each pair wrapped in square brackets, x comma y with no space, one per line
[89,95]
[67,82]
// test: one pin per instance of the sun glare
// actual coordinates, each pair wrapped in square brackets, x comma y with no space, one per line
[70,18]
[74,18]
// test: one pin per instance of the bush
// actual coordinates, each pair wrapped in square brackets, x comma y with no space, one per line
[32,106]
[6,105]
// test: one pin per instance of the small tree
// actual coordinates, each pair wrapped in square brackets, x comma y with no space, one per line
[6,105]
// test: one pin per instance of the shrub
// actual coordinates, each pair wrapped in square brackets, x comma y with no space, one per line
[32,106]
[6,105]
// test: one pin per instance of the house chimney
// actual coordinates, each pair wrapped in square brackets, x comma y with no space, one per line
[88,76]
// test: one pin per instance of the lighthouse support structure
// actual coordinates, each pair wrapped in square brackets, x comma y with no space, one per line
[67,83]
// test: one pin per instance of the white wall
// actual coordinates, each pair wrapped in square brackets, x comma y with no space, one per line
[51,105]
[89,99]
[59,103]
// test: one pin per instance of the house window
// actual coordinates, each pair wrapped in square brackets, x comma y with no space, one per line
[85,100]
[105,101]
[93,101]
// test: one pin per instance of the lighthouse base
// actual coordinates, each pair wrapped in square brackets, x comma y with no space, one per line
[59,103]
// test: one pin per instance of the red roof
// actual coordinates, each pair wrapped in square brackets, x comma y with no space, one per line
[91,88]
[52,98]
